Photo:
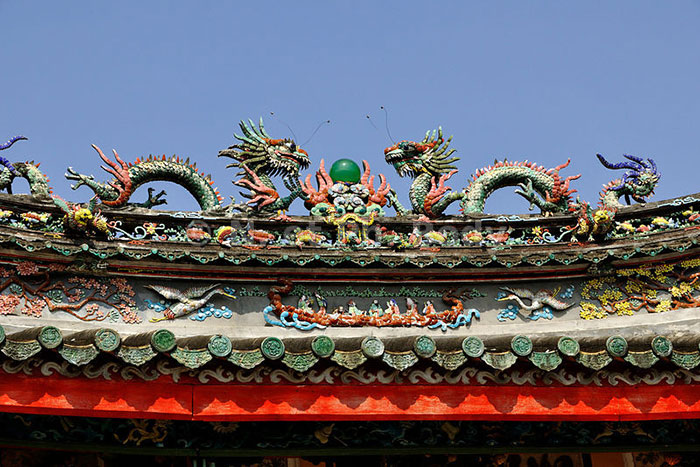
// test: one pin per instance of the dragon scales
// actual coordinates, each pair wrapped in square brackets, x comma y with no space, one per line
[130,176]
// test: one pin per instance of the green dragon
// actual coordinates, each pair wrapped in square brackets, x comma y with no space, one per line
[430,164]
[261,158]
[128,177]
[38,182]
[542,187]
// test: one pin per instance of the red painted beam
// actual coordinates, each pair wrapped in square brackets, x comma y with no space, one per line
[55,395]
[417,402]
[164,399]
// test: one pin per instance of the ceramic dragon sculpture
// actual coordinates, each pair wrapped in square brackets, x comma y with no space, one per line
[38,182]
[260,158]
[129,176]
[541,186]
[430,165]
[637,183]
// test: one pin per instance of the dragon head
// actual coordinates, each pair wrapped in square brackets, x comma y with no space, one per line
[7,170]
[83,216]
[431,156]
[264,155]
[638,182]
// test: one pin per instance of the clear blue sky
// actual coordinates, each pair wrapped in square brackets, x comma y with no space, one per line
[536,80]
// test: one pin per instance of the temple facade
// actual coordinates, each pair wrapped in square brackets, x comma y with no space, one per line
[365,331]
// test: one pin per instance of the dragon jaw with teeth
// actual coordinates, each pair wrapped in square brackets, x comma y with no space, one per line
[261,158]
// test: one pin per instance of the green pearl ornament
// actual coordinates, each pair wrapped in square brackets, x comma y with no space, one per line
[345,170]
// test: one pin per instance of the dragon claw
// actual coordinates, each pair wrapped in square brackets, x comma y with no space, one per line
[528,192]
[154,200]
[261,193]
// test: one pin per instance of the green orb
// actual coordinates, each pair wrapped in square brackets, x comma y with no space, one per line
[345,170]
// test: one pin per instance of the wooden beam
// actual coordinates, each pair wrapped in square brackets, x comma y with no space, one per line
[164,399]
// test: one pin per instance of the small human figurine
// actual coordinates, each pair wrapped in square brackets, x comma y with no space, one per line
[322,304]
[411,307]
[428,308]
[305,303]
[375,309]
[352,308]
[392,307]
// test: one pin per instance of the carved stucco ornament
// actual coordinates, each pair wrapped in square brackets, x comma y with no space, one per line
[449,360]
[246,359]
[137,355]
[79,354]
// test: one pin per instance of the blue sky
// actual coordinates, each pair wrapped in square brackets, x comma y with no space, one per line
[538,80]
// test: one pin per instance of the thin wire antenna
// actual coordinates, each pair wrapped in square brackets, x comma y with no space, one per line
[369,119]
[315,131]
[285,124]
[386,123]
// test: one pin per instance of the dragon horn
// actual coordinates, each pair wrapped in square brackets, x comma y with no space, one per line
[636,159]
[124,165]
[242,138]
[12,141]
[257,132]
[262,128]
[621,165]
[244,128]
[250,132]
[653,165]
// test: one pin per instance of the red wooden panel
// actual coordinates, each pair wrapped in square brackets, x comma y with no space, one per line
[94,397]
[168,400]
[445,402]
